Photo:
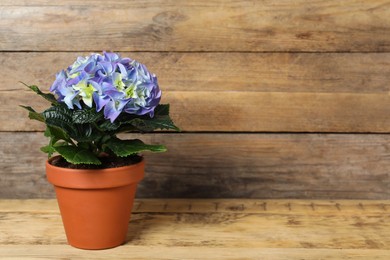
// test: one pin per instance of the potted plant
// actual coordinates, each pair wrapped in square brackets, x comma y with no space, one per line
[95,173]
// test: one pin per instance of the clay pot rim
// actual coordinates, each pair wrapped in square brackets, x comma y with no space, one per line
[94,178]
[48,164]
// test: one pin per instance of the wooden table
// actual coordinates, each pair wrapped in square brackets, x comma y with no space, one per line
[211,229]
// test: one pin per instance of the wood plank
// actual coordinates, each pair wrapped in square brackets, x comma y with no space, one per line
[187,71]
[204,111]
[330,86]
[280,112]
[333,234]
[34,252]
[213,25]
[200,206]
[306,166]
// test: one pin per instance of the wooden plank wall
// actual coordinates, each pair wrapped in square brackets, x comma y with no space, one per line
[276,98]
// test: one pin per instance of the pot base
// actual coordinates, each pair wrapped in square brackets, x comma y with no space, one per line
[96,219]
[96,204]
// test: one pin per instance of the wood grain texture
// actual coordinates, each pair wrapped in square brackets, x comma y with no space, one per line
[221,111]
[304,230]
[304,166]
[225,66]
[36,252]
[262,92]
[213,25]
[251,72]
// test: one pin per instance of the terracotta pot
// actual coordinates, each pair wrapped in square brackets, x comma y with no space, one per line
[95,205]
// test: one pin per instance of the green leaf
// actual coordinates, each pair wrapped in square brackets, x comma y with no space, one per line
[108,126]
[49,97]
[151,124]
[32,114]
[162,110]
[60,117]
[125,148]
[132,123]
[77,155]
[58,112]
[84,116]
[49,149]
[56,133]
[161,120]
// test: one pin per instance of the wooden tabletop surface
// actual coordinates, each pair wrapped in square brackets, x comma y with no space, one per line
[211,229]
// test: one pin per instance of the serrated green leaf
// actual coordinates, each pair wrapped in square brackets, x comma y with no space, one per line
[84,145]
[125,148]
[60,117]
[48,96]
[162,110]
[132,123]
[77,155]
[87,133]
[32,114]
[144,124]
[157,122]
[58,112]
[66,127]
[108,126]
[56,133]
[48,149]
[84,116]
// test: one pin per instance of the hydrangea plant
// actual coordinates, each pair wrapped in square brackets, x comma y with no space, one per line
[96,98]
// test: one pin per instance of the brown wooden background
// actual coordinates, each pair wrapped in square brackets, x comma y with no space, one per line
[276,98]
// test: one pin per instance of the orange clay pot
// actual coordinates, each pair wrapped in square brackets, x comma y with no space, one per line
[96,204]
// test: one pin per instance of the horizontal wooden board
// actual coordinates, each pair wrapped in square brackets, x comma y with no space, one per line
[279,233]
[305,166]
[243,111]
[213,25]
[252,72]
[262,92]
[196,253]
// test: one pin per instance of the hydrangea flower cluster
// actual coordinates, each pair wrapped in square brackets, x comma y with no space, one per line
[109,82]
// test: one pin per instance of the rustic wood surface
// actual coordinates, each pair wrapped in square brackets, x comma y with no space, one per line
[209,25]
[211,229]
[210,71]
[180,252]
[274,93]
[229,165]
[251,83]
[243,111]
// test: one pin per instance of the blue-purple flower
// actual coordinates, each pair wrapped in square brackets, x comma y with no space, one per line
[116,85]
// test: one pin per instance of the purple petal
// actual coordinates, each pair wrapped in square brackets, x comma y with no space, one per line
[113,109]
[111,56]
[83,75]
[90,67]
[107,67]
[122,70]
[60,81]
[100,101]
[109,88]
[125,61]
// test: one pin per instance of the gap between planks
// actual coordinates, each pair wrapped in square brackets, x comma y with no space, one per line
[246,206]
